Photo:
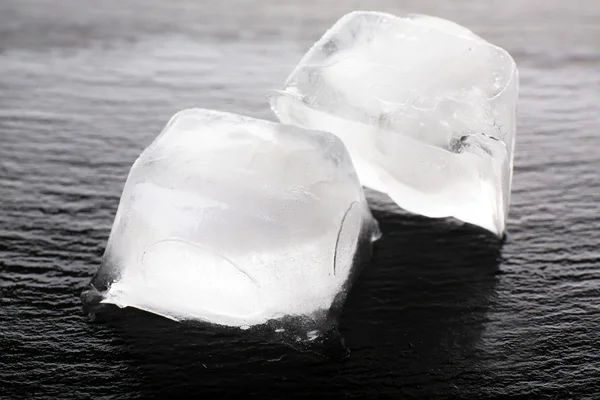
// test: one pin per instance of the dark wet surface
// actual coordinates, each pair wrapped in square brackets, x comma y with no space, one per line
[442,311]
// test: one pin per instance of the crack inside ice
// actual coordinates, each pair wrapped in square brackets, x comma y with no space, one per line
[236,221]
[425,107]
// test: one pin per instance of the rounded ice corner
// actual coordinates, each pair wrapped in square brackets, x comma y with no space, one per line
[274,97]
[290,109]
[186,120]
[175,118]
[513,75]
[342,23]
[280,103]
[362,14]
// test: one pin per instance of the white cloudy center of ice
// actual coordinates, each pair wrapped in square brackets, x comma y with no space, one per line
[236,221]
[425,107]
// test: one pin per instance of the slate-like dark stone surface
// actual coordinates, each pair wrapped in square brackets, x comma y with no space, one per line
[441,312]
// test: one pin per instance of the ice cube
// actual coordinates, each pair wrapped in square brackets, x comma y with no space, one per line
[235,221]
[425,107]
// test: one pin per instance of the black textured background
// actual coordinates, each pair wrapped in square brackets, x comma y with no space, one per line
[442,311]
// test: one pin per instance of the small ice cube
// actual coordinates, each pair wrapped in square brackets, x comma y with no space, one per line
[235,221]
[425,107]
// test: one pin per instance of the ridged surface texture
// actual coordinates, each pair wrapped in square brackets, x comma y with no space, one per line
[442,311]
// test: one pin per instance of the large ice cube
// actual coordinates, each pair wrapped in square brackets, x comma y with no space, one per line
[425,107]
[235,221]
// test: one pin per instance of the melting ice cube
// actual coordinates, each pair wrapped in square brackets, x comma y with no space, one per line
[235,221]
[425,107]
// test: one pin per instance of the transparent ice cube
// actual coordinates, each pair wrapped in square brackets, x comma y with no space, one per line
[425,107]
[235,221]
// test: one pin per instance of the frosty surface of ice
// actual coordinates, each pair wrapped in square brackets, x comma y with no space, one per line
[425,107]
[235,221]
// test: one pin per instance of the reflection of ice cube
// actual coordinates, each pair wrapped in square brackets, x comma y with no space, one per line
[235,221]
[425,107]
